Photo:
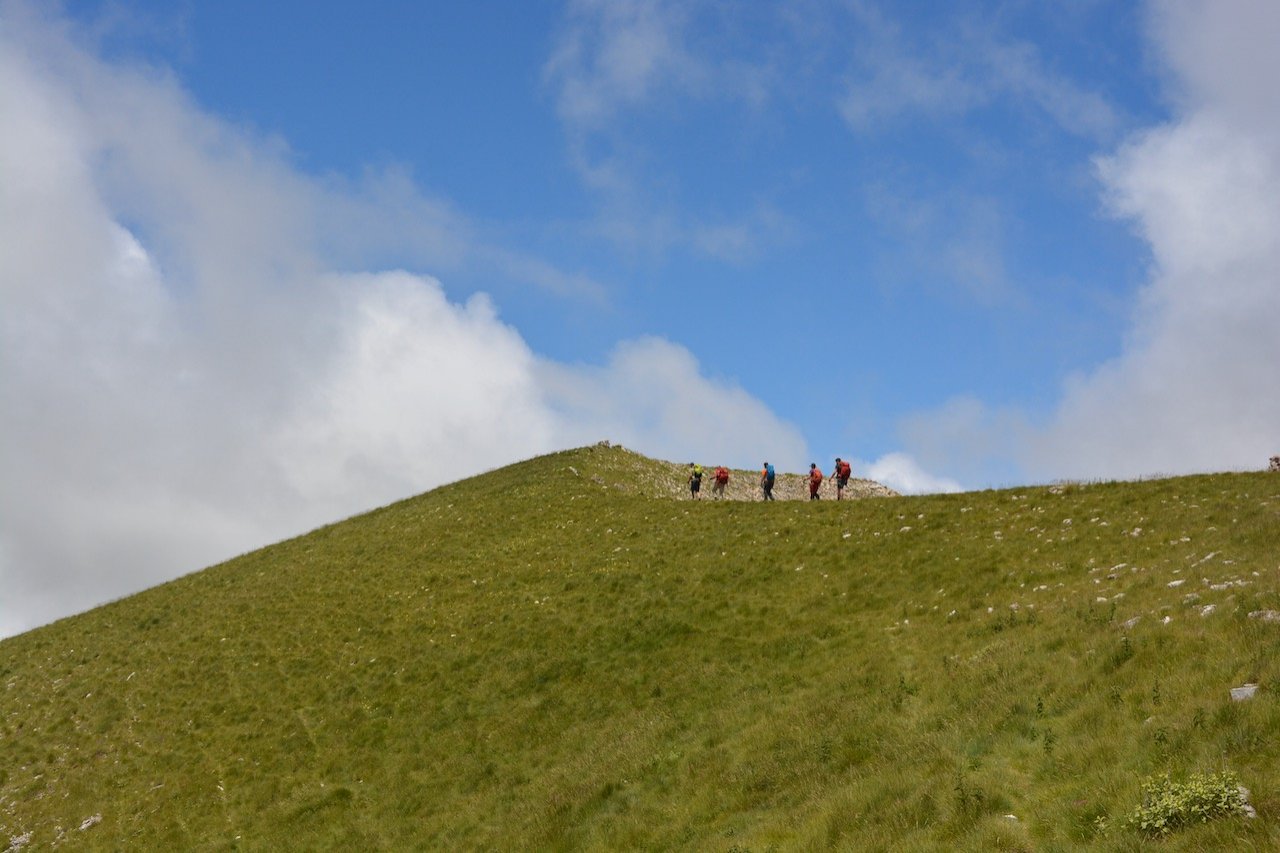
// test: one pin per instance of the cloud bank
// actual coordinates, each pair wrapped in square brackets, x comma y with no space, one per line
[1190,390]
[1189,393]
[189,367]
[901,472]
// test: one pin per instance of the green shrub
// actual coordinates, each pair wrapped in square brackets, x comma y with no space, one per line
[1168,805]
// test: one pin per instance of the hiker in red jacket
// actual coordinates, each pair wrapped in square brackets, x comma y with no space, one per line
[841,476]
[815,481]
[721,480]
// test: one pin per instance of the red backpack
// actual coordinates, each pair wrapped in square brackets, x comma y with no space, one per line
[722,475]
[845,469]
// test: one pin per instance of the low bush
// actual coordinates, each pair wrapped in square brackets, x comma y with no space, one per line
[1168,805]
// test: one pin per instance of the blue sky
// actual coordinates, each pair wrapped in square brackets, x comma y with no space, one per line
[866,244]
[271,264]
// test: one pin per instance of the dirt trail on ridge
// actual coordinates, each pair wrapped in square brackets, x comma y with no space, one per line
[745,486]
[671,479]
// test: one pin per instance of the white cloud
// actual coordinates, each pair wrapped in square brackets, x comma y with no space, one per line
[421,391]
[613,63]
[953,240]
[973,442]
[616,53]
[652,394]
[901,472]
[1016,68]
[185,374]
[745,238]
[1191,389]
[1217,55]
[965,65]
[904,86]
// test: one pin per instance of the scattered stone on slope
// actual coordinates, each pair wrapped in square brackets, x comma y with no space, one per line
[1243,693]
[1246,806]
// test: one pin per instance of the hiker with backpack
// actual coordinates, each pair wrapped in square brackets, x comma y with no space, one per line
[721,480]
[841,476]
[815,481]
[766,481]
[695,479]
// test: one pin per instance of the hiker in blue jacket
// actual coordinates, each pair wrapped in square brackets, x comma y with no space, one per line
[766,481]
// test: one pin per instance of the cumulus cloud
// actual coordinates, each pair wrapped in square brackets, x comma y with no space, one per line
[679,408]
[1189,391]
[901,472]
[1214,54]
[420,390]
[188,367]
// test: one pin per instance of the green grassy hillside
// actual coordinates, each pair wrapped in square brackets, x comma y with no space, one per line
[559,655]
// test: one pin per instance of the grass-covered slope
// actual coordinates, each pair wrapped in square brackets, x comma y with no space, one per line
[552,656]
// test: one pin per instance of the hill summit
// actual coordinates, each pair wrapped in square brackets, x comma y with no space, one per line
[560,655]
[628,471]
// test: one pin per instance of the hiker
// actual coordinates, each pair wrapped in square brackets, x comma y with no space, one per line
[722,480]
[815,481]
[695,479]
[766,481]
[841,476]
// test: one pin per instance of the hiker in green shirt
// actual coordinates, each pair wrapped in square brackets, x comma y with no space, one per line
[695,479]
